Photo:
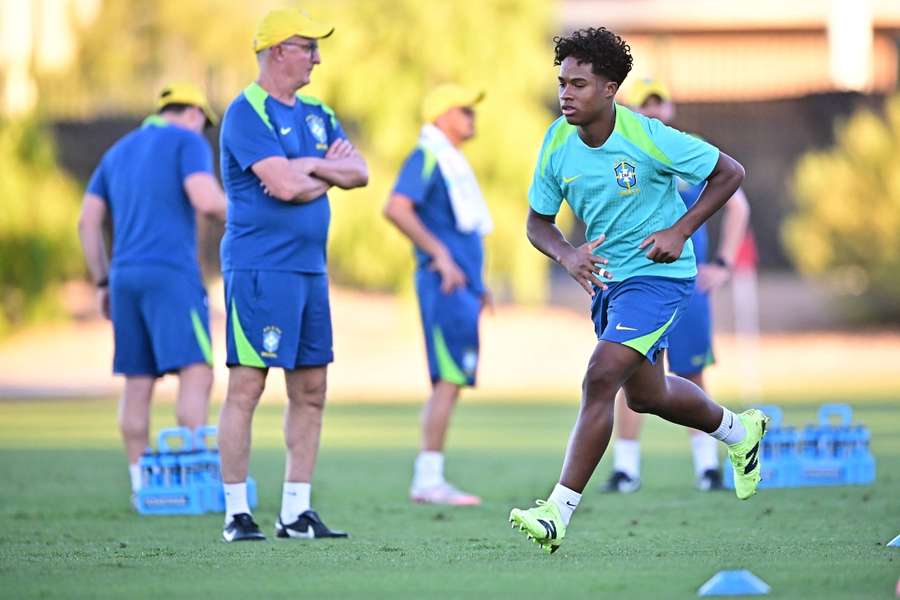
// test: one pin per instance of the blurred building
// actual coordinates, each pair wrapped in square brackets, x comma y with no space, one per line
[713,51]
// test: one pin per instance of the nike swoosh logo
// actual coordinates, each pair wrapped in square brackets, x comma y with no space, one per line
[285,130]
[620,327]
[309,534]
[228,535]
[570,179]
[570,504]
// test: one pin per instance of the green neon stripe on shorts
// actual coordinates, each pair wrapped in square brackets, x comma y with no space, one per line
[202,337]
[247,355]
[447,367]
[645,342]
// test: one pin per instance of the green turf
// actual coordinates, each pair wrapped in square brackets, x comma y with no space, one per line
[67,530]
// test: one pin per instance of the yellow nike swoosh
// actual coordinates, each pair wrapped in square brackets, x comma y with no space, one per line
[570,179]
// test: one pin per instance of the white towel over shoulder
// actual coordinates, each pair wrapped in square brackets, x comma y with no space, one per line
[469,207]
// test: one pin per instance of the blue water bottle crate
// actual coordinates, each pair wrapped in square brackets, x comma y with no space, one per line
[183,476]
[834,451]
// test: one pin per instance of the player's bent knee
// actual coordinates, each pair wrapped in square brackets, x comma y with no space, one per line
[599,379]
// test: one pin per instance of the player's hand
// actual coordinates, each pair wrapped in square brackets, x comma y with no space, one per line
[340,148]
[103,301]
[711,276]
[585,267]
[452,276]
[667,245]
[487,301]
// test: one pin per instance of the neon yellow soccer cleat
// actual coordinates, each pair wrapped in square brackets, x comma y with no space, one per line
[542,523]
[744,455]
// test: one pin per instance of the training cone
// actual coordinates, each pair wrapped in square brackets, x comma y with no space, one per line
[894,543]
[734,583]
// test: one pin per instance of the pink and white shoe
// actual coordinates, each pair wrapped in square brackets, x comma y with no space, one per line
[443,493]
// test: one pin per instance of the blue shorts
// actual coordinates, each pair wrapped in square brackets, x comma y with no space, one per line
[160,320]
[450,323]
[639,312]
[690,341]
[278,319]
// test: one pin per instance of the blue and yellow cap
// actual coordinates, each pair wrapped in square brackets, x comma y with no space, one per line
[183,92]
[280,24]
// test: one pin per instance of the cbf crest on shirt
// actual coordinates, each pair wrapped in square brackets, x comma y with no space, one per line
[626,188]
[262,232]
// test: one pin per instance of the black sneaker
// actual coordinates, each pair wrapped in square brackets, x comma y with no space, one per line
[710,481]
[308,526]
[620,483]
[242,528]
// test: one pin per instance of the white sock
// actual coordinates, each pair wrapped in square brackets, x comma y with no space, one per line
[627,457]
[428,470]
[706,453]
[136,479]
[731,430]
[565,500]
[235,500]
[294,500]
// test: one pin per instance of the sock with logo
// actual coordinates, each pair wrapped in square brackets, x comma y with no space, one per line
[135,472]
[235,500]
[706,453]
[294,500]
[627,457]
[428,470]
[731,430]
[566,501]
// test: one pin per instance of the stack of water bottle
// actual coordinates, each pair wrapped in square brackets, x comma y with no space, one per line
[183,476]
[827,453]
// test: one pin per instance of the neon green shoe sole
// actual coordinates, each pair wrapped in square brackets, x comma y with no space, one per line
[543,524]
[745,456]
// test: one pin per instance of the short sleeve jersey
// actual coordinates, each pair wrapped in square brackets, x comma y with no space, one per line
[141,179]
[262,232]
[625,188]
[420,180]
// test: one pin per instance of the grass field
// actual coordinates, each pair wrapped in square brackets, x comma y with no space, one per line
[68,530]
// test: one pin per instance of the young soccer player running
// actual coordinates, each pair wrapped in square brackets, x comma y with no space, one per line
[690,340]
[617,170]
[438,205]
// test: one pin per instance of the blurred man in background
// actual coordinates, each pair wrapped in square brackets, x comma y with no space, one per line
[438,205]
[280,152]
[151,182]
[690,341]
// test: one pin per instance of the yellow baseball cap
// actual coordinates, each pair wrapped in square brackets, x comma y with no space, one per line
[644,88]
[186,93]
[447,96]
[278,25]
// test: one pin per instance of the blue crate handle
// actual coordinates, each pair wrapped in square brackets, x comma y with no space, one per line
[173,433]
[203,434]
[774,413]
[842,411]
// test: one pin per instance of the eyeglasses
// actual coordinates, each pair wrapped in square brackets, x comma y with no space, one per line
[311,47]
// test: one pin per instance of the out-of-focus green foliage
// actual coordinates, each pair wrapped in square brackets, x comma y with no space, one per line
[375,69]
[38,210]
[847,224]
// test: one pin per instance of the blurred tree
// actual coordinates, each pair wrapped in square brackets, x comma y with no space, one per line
[377,66]
[847,223]
[38,241]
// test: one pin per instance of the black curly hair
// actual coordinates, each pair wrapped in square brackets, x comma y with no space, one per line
[608,53]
